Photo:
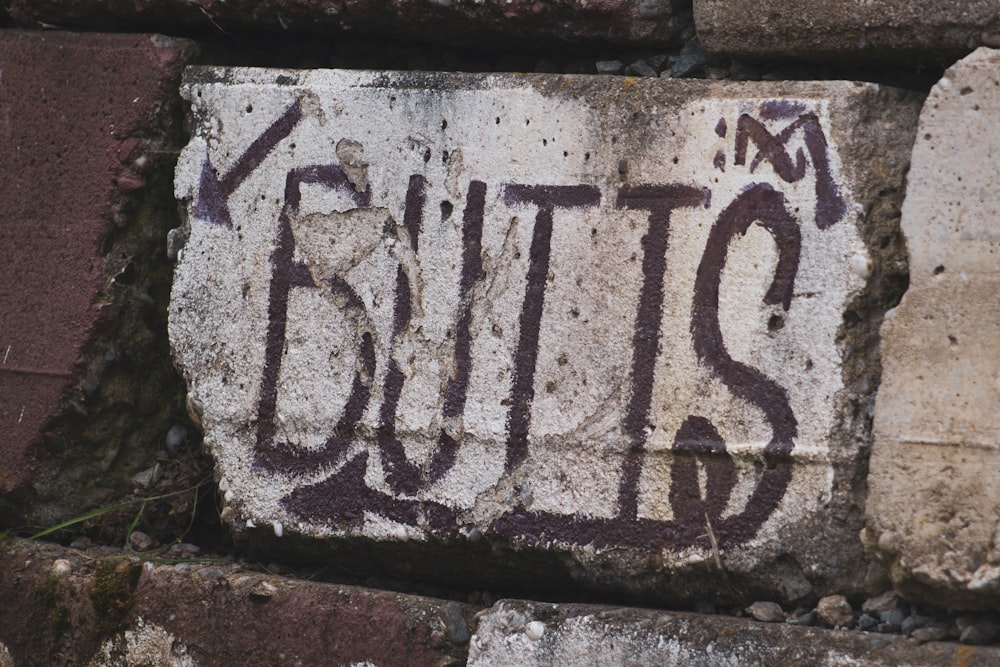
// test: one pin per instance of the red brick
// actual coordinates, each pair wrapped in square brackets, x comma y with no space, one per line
[79,114]
[57,602]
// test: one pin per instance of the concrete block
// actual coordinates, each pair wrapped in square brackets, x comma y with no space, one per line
[515,632]
[900,30]
[537,309]
[89,609]
[935,490]
[89,127]
[472,23]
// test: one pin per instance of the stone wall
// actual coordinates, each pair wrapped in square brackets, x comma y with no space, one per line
[363,316]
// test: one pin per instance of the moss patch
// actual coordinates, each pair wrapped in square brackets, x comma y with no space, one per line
[113,595]
[47,616]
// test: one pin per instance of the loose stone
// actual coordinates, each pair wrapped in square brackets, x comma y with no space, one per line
[609,66]
[894,616]
[534,630]
[808,618]
[455,624]
[61,567]
[913,622]
[766,612]
[866,622]
[640,68]
[931,633]
[691,61]
[835,611]
[881,603]
[175,438]
[980,632]
[140,541]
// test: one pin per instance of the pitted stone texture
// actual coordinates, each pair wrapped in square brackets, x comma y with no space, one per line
[190,614]
[515,632]
[467,22]
[84,148]
[935,489]
[885,29]
[535,308]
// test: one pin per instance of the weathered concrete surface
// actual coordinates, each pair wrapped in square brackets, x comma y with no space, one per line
[536,309]
[935,486]
[88,126]
[885,29]
[522,633]
[468,22]
[61,606]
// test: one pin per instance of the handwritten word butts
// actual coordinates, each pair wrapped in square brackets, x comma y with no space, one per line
[344,497]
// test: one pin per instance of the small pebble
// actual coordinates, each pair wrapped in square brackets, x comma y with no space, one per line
[766,612]
[866,622]
[640,68]
[263,590]
[913,622]
[175,438]
[609,66]
[834,611]
[691,61]
[881,603]
[894,616]
[658,62]
[534,630]
[808,618]
[140,541]
[61,567]
[455,624]
[931,633]
[147,477]
[979,633]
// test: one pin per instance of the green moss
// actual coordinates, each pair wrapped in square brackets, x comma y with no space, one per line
[46,615]
[114,595]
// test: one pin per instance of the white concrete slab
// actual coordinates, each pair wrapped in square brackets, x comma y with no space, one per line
[601,316]
[935,491]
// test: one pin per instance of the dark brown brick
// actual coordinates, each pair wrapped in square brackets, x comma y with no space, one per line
[59,606]
[88,124]
[653,22]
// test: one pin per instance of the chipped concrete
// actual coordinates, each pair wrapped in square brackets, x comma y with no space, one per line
[143,645]
[549,319]
[515,632]
[935,491]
